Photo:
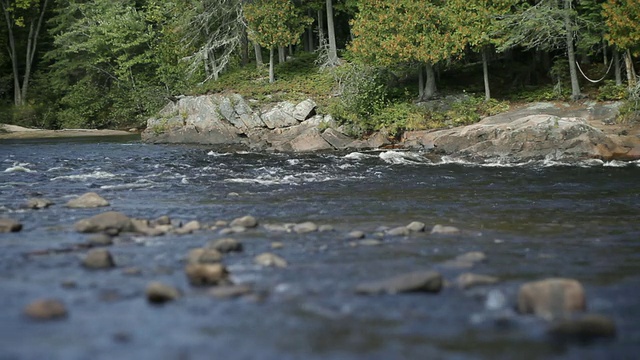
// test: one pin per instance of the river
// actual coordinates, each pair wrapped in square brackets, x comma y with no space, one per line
[533,221]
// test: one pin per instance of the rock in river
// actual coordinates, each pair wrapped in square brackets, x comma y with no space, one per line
[468,280]
[305,227]
[551,298]
[110,222]
[9,225]
[98,259]
[584,327]
[269,259]
[159,293]
[225,245]
[445,230]
[46,309]
[245,221]
[88,200]
[38,203]
[206,274]
[419,281]
[204,256]
[416,226]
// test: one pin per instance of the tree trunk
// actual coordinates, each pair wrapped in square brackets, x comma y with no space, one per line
[631,73]
[430,87]
[333,49]
[616,66]
[17,94]
[573,72]
[321,39]
[258,50]
[485,73]
[281,55]
[309,46]
[244,43]
[272,54]
[420,82]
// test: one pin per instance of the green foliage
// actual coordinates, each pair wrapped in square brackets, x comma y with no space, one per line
[274,23]
[623,27]
[611,91]
[630,110]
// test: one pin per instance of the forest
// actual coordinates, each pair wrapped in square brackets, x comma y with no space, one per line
[370,63]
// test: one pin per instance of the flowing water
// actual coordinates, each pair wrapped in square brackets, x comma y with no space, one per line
[533,221]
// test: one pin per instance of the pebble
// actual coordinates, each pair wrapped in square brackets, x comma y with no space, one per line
[230,291]
[325,228]
[277,245]
[206,274]
[159,293]
[305,227]
[38,203]
[88,200]
[420,281]
[225,245]
[245,221]
[188,228]
[204,256]
[416,226]
[46,309]
[270,260]
[98,259]
[551,298]
[357,234]
[584,327]
[9,225]
[445,230]
[398,231]
[468,280]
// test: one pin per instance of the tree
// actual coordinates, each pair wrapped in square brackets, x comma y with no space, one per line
[333,48]
[477,22]
[546,25]
[215,29]
[275,23]
[18,15]
[623,30]
[406,31]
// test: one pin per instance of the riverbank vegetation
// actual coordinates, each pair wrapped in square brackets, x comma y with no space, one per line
[402,65]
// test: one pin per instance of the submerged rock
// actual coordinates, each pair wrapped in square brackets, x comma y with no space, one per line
[9,225]
[110,222]
[245,221]
[46,309]
[416,226]
[551,298]
[206,274]
[468,280]
[270,260]
[419,281]
[445,230]
[38,203]
[159,293]
[584,327]
[88,200]
[98,259]
[230,291]
[225,245]
[305,227]
[398,231]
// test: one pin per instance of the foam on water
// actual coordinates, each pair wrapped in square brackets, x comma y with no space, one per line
[402,158]
[94,175]
[19,167]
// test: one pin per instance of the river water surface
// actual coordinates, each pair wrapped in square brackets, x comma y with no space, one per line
[532,221]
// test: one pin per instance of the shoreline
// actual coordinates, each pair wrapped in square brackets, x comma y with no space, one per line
[19,132]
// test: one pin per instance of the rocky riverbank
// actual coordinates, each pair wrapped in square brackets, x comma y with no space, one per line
[19,132]
[538,131]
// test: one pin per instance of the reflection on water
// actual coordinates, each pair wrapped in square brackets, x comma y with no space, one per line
[532,220]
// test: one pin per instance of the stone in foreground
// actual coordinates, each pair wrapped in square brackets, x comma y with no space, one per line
[206,274]
[46,309]
[98,259]
[88,200]
[551,299]
[204,256]
[419,281]
[159,293]
[9,225]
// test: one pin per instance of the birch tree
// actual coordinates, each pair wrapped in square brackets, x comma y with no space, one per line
[20,15]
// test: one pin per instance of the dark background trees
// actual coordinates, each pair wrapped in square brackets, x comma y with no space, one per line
[112,63]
